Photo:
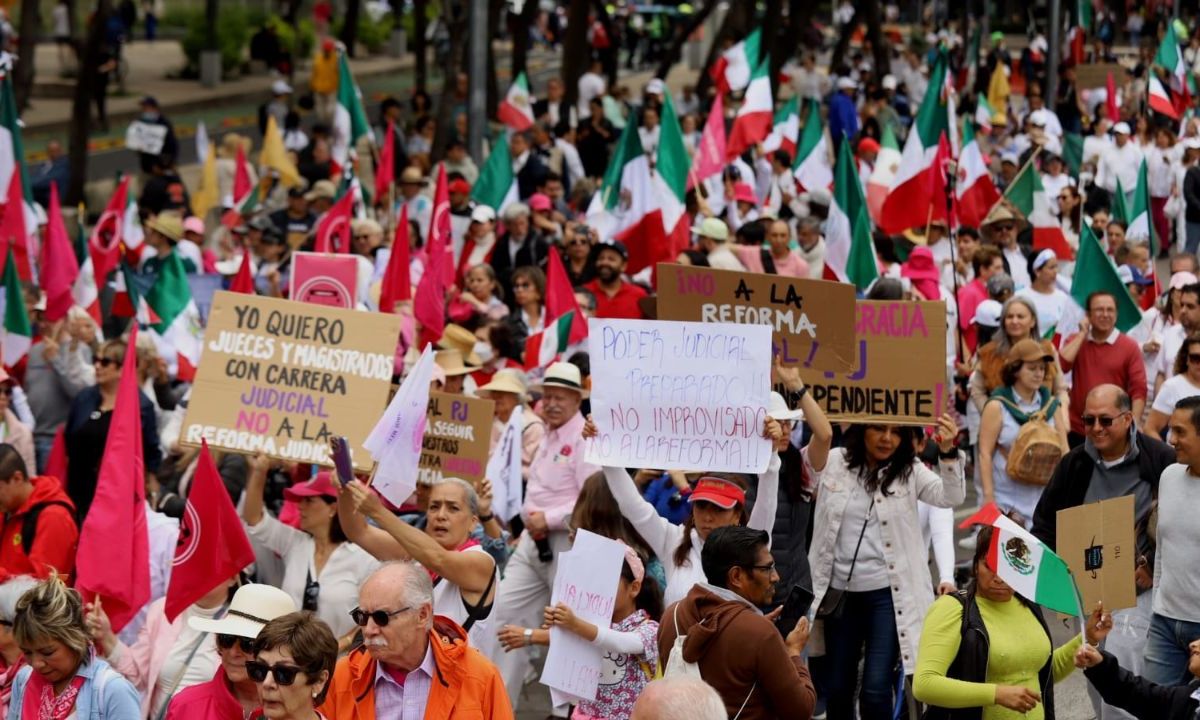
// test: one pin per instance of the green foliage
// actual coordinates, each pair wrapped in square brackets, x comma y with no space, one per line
[304,32]
[233,35]
[372,35]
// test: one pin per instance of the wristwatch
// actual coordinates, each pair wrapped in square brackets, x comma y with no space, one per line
[528,634]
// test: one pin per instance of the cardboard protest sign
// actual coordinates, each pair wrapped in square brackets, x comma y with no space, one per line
[587,580]
[456,439]
[812,320]
[324,279]
[900,375]
[1099,545]
[1095,75]
[281,377]
[680,395]
[145,137]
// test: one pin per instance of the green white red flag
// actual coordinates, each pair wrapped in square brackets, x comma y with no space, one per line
[752,123]
[515,110]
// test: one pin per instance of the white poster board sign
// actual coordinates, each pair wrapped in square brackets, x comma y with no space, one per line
[145,137]
[587,580]
[680,395]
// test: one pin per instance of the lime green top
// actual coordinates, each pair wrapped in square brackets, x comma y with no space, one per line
[1018,647]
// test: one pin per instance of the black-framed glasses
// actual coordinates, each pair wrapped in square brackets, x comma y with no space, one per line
[1104,420]
[768,568]
[284,674]
[312,591]
[381,617]
[227,641]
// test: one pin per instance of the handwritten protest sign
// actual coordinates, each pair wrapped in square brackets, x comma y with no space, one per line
[680,395]
[1098,542]
[280,377]
[456,438]
[324,279]
[145,137]
[901,369]
[813,320]
[587,580]
[504,467]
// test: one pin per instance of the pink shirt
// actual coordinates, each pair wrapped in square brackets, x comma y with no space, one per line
[790,265]
[557,474]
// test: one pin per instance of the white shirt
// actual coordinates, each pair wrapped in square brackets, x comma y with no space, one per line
[722,258]
[1172,391]
[1172,340]
[1119,163]
[198,670]
[1018,266]
[345,571]
[867,571]
[1050,308]
[1053,185]
[448,601]
[1093,147]
[1160,169]
[591,86]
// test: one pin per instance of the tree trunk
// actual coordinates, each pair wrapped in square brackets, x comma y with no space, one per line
[457,27]
[800,15]
[210,17]
[736,24]
[843,42]
[420,26]
[31,27]
[879,45]
[576,52]
[682,32]
[519,26]
[350,26]
[773,42]
[81,108]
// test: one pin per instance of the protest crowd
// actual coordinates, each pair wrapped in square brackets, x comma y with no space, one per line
[667,406]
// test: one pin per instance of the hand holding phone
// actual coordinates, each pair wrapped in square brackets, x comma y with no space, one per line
[339,449]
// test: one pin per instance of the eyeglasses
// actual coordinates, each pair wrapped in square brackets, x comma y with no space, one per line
[106,362]
[312,591]
[768,568]
[1104,420]
[381,617]
[518,286]
[227,641]
[284,674]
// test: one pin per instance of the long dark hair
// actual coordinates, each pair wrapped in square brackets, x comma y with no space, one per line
[685,545]
[896,468]
[650,597]
[596,510]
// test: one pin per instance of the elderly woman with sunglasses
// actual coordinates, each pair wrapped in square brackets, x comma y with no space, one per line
[231,694]
[86,430]
[292,666]
[169,655]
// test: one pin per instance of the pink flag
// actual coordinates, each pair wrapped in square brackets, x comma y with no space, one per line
[333,234]
[241,177]
[560,298]
[710,155]
[104,244]
[397,285]
[59,264]
[243,282]
[429,305]
[113,562]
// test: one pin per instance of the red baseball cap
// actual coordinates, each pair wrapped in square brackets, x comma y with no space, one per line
[320,486]
[459,186]
[722,493]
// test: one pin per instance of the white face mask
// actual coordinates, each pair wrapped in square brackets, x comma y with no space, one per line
[484,351]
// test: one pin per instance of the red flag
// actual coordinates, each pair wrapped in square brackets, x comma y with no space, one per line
[56,465]
[243,282]
[13,232]
[385,170]
[104,244]
[429,305]
[560,298]
[397,284]
[241,177]
[58,263]
[212,546]
[985,516]
[113,562]
[333,234]
[1110,89]
[717,73]
[710,154]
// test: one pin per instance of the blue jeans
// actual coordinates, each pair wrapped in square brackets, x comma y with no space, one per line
[1191,236]
[41,452]
[1167,650]
[866,631]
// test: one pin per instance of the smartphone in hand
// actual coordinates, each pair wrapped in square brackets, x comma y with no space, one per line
[796,606]
[339,449]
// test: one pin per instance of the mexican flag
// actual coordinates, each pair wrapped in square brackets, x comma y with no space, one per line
[349,119]
[752,123]
[1120,208]
[178,334]
[975,189]
[515,109]
[18,331]
[811,165]
[1029,196]
[740,60]
[129,297]
[497,185]
[786,130]
[244,199]
[545,347]
[1029,567]
[910,197]
[887,161]
[1141,225]
[1095,270]
[670,177]
[12,167]
[849,252]
[983,114]
[1160,99]
[1170,58]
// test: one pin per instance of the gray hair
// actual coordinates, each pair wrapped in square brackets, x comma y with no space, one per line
[10,592]
[468,491]
[680,698]
[808,224]
[515,210]
[413,581]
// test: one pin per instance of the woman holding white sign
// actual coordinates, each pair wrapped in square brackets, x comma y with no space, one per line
[717,500]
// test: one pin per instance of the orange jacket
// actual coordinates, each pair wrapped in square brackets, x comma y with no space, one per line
[55,539]
[467,685]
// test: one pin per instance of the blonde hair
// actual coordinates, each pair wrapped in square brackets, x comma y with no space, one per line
[52,611]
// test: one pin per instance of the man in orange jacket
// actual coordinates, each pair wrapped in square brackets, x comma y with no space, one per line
[413,665]
[39,532]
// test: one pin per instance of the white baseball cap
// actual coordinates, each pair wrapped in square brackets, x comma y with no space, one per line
[1121,128]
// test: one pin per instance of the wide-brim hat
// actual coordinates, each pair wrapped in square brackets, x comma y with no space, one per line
[713,228]
[412,176]
[507,380]
[168,223]
[1028,351]
[564,375]
[777,409]
[322,190]
[1002,212]
[457,337]
[920,265]
[451,363]
[253,606]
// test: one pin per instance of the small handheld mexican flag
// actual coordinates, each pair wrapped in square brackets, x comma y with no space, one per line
[545,347]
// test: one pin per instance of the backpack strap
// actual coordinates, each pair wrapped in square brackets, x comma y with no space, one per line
[768,262]
[479,611]
[30,520]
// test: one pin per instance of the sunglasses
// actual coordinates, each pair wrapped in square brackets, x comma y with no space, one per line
[381,617]
[284,674]
[1104,420]
[227,641]
[1005,227]
[312,591]
[106,362]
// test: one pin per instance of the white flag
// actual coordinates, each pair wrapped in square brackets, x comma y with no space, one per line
[201,142]
[504,468]
[395,443]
